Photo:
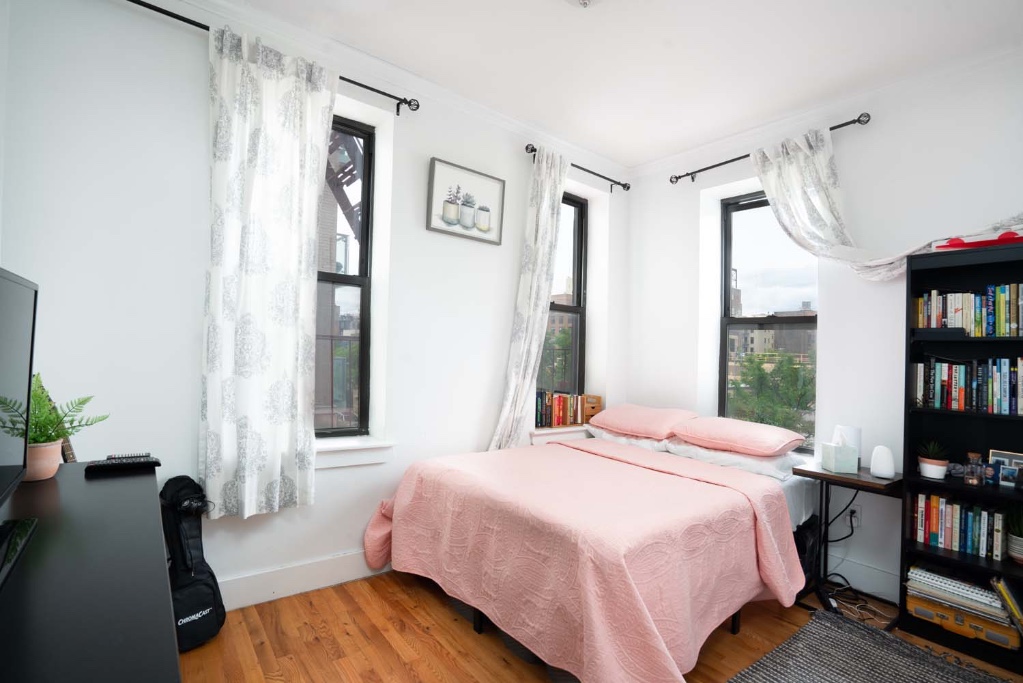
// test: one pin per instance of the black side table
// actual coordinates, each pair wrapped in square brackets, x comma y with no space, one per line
[859,481]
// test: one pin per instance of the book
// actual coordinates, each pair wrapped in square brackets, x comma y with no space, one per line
[1014,310]
[921,517]
[941,522]
[1010,601]
[957,512]
[933,522]
[975,544]
[989,312]
[983,534]
[998,538]
[947,544]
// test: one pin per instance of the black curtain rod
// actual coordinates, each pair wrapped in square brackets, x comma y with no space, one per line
[412,104]
[863,119]
[531,149]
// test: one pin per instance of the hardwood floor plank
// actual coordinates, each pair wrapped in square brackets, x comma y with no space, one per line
[268,661]
[397,628]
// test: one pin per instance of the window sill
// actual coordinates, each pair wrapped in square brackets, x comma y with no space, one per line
[349,451]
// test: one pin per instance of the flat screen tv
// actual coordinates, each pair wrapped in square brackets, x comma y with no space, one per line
[17,334]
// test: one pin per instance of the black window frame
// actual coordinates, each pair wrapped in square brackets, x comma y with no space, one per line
[578,286]
[364,279]
[729,207]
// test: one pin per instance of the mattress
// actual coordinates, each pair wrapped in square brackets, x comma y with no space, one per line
[801,496]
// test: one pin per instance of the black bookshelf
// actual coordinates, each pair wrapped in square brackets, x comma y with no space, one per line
[959,432]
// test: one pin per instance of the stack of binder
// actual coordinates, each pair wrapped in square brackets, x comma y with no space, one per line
[961,607]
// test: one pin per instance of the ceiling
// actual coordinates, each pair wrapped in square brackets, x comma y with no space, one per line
[639,80]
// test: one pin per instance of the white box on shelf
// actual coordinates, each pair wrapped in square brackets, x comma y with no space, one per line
[839,458]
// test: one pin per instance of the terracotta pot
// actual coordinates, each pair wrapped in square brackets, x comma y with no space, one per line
[43,460]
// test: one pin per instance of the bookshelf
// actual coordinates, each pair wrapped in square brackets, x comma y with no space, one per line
[959,431]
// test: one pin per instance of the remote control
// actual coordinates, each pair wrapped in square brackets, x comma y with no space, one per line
[121,464]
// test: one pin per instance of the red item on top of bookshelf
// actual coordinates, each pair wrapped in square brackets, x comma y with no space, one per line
[1009,237]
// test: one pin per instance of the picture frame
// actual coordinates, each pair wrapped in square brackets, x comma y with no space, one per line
[1006,458]
[1008,476]
[465,203]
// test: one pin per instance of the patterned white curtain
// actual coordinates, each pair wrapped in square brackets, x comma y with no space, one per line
[536,274]
[270,121]
[801,182]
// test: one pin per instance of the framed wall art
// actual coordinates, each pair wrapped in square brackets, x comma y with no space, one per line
[464,202]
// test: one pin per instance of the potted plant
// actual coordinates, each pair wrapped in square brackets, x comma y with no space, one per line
[933,459]
[483,218]
[1014,525]
[450,206]
[47,425]
[467,219]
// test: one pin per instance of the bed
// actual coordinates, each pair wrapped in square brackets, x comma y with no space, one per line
[605,559]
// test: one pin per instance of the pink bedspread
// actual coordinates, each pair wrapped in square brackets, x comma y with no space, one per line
[607,560]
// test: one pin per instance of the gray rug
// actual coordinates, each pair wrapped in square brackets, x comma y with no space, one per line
[834,649]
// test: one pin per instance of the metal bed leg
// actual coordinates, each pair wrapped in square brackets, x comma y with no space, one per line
[477,620]
[736,624]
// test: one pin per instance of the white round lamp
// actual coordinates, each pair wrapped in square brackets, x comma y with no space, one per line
[882,463]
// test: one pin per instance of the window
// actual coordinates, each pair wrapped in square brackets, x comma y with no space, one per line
[343,283]
[769,320]
[563,362]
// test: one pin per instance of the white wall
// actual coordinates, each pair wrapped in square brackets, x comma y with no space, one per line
[943,155]
[107,191]
[5,10]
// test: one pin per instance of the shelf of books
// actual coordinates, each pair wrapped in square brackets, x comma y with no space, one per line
[555,410]
[961,587]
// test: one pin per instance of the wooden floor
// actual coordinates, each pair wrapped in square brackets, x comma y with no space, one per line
[396,627]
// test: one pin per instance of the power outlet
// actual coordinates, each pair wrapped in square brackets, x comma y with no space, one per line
[856,515]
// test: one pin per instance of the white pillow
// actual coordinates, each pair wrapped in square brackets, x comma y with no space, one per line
[778,467]
[648,444]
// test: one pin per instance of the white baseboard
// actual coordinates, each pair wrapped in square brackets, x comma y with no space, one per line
[863,577]
[251,589]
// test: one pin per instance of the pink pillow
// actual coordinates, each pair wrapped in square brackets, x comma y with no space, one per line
[632,420]
[738,436]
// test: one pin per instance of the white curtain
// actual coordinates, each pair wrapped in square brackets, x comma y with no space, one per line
[270,121]
[801,182]
[536,274]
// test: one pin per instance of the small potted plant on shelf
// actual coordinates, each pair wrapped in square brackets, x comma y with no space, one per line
[450,208]
[47,425]
[468,216]
[483,218]
[1014,522]
[933,459]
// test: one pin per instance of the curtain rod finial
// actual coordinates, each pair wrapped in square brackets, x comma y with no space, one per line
[674,179]
[863,119]
[531,148]
[413,105]
[626,186]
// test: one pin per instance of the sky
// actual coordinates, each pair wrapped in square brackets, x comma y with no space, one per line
[774,274]
[563,256]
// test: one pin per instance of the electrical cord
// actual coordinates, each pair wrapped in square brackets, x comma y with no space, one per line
[847,506]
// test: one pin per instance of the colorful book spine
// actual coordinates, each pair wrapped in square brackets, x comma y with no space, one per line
[957,512]
[921,518]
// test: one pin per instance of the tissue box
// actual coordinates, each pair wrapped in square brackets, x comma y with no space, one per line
[839,458]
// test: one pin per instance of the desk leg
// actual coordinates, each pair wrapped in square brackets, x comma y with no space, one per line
[822,537]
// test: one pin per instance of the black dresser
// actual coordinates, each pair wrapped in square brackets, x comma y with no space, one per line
[90,598]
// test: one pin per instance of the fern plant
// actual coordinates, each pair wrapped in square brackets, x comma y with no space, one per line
[45,421]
